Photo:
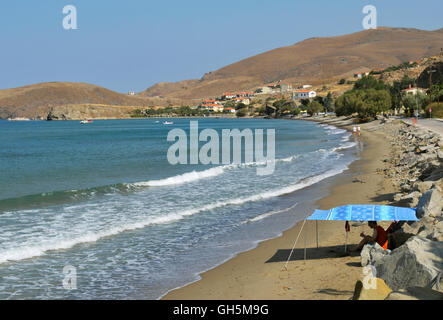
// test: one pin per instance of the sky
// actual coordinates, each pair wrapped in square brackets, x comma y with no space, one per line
[133,44]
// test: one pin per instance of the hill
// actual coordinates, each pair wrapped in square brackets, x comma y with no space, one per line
[311,60]
[36,101]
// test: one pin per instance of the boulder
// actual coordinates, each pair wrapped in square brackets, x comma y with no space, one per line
[425,148]
[412,198]
[403,231]
[415,293]
[432,232]
[435,175]
[430,204]
[380,291]
[372,253]
[423,186]
[416,263]
[405,187]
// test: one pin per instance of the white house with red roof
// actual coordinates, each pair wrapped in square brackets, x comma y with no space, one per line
[243,100]
[304,94]
[413,90]
[211,105]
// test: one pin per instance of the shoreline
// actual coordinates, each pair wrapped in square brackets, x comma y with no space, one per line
[249,273]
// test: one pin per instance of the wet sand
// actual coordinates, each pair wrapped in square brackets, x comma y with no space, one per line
[327,273]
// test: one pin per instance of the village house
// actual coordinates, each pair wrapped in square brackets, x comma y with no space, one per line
[413,90]
[268,89]
[360,75]
[245,94]
[229,109]
[228,96]
[304,94]
[245,101]
[242,94]
[284,87]
[265,90]
[211,105]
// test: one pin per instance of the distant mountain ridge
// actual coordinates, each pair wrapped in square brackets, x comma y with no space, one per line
[37,100]
[311,60]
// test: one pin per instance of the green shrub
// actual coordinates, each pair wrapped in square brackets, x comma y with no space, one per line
[242,112]
[437,110]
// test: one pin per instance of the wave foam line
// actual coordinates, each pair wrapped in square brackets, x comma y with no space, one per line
[183,178]
[22,253]
[205,174]
[268,214]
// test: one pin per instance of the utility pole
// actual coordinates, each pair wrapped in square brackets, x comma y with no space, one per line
[430,72]
[416,102]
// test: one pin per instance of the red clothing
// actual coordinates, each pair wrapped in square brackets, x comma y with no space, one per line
[382,237]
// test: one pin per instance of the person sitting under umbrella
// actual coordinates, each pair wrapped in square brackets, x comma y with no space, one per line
[380,236]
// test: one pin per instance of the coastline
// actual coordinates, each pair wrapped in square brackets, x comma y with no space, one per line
[327,273]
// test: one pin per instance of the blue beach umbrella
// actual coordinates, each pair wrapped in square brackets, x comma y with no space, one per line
[358,213]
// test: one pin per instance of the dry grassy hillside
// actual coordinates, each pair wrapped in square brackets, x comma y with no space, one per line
[36,101]
[314,59]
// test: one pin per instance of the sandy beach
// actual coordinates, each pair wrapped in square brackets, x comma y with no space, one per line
[327,272]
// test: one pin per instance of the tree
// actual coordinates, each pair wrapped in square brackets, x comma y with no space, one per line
[242,112]
[327,103]
[369,82]
[305,102]
[342,81]
[415,101]
[240,105]
[319,100]
[314,107]
[375,101]
[397,87]
[367,103]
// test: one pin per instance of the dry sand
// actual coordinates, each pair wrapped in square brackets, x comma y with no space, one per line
[327,273]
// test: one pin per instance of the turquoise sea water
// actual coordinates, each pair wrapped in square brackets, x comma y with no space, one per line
[103,198]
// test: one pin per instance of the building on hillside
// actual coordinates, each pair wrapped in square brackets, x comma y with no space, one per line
[212,107]
[131,93]
[413,90]
[228,96]
[304,94]
[245,101]
[306,86]
[285,87]
[210,101]
[265,90]
[229,109]
[360,75]
[245,94]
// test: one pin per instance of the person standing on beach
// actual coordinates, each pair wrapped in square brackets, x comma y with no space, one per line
[354,130]
[380,236]
[358,128]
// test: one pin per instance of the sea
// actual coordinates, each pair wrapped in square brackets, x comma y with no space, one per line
[96,211]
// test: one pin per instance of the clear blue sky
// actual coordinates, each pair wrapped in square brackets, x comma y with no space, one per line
[132,44]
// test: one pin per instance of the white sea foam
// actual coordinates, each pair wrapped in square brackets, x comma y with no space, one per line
[38,249]
[205,174]
[183,178]
[268,214]
[344,146]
